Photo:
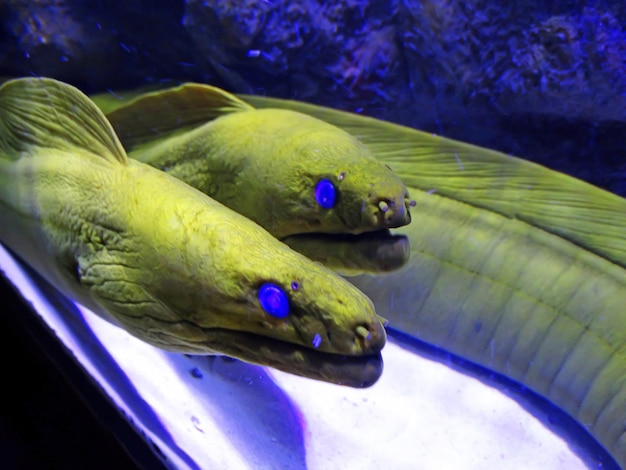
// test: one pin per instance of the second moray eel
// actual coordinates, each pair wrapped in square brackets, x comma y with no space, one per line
[287,171]
[160,259]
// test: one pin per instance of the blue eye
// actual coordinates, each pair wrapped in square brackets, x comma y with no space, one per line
[325,193]
[274,300]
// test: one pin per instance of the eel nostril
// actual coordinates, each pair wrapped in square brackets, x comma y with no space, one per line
[396,214]
[363,333]
[391,212]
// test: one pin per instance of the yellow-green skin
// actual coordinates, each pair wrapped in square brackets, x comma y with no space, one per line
[492,292]
[264,164]
[155,256]
[515,267]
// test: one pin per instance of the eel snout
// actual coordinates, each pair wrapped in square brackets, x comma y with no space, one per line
[362,337]
[370,338]
[391,212]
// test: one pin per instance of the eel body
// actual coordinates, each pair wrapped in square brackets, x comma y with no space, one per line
[170,265]
[513,266]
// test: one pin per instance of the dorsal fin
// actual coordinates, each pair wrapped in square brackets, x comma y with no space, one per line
[111,100]
[153,116]
[557,203]
[45,113]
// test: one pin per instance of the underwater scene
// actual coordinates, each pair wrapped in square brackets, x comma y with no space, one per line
[314,234]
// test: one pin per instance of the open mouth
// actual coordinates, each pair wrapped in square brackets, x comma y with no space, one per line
[351,371]
[375,252]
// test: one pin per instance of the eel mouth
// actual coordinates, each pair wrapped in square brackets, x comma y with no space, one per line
[375,252]
[352,371]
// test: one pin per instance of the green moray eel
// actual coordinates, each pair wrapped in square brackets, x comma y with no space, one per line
[264,164]
[268,165]
[513,266]
[158,258]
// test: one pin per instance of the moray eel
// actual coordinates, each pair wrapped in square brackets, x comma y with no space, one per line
[513,266]
[285,170]
[289,172]
[158,258]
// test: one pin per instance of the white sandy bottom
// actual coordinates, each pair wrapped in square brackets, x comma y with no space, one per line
[220,414]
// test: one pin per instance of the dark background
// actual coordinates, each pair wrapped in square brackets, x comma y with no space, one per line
[53,415]
[542,80]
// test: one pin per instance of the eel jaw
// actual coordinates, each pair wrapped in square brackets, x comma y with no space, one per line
[352,371]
